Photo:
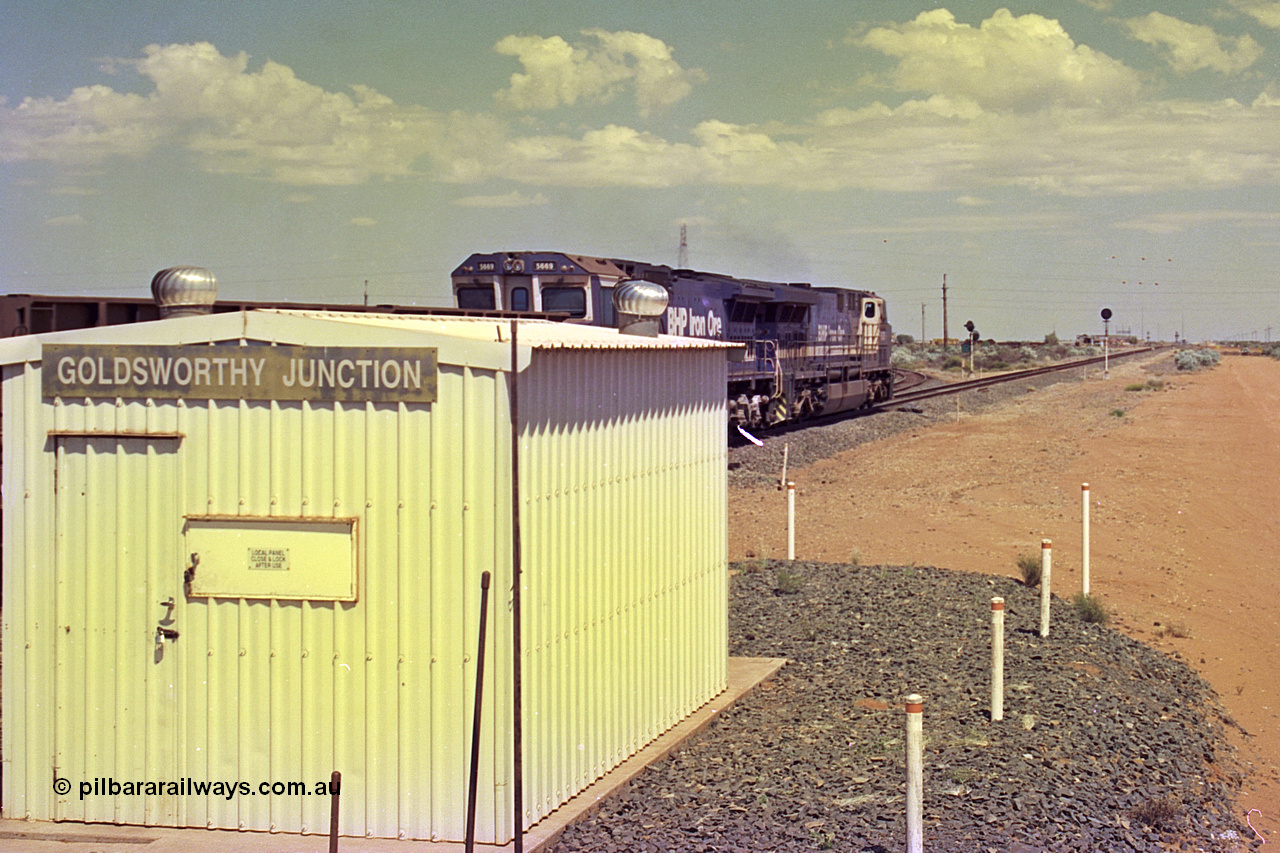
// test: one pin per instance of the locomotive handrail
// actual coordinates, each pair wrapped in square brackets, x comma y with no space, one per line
[762,358]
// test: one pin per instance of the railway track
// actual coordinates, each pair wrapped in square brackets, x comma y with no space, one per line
[912,396]
[904,380]
[907,392]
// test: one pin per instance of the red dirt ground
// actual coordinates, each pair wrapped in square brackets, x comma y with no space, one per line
[1185,530]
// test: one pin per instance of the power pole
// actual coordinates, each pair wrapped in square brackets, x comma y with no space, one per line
[682,256]
[944,311]
[921,322]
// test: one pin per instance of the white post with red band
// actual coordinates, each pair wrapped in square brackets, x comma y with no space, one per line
[997,659]
[1046,569]
[791,520]
[915,773]
[1084,538]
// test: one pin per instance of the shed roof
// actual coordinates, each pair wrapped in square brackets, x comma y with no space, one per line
[478,341]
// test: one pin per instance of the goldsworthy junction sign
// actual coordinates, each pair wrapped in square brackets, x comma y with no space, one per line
[257,372]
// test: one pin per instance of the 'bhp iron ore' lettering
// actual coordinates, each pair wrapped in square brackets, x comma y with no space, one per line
[258,372]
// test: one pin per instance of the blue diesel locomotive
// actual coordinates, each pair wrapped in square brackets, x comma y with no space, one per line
[808,351]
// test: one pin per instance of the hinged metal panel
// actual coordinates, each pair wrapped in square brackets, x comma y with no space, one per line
[306,559]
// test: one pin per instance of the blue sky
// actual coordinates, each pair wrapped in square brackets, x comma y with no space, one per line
[1051,158]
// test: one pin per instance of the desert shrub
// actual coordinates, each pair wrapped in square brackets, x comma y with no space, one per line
[787,582]
[1194,359]
[1158,812]
[1090,609]
[905,358]
[1029,566]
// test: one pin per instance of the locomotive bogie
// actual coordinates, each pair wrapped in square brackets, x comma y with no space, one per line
[807,351]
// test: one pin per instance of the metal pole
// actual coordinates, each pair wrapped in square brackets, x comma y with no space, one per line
[1084,537]
[915,774]
[335,789]
[1106,349]
[791,520]
[945,339]
[1046,567]
[997,659]
[517,722]
[470,839]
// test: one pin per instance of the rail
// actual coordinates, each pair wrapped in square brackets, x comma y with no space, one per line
[988,381]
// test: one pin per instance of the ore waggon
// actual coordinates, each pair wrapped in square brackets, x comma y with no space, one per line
[807,350]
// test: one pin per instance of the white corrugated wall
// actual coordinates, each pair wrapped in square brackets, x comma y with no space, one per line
[253,690]
[624,604]
[624,596]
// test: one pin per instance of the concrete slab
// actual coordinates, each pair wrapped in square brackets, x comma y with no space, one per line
[38,837]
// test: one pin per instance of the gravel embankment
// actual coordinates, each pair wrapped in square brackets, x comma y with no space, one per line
[750,465]
[1106,745]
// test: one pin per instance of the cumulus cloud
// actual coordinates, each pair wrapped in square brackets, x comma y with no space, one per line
[1265,12]
[264,123]
[557,73]
[934,145]
[1012,102]
[1192,47]
[1008,62]
[514,198]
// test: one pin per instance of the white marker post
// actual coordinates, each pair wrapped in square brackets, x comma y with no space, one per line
[1046,569]
[915,774]
[1084,538]
[997,659]
[791,520]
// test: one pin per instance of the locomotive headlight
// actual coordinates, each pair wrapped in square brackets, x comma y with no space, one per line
[640,304]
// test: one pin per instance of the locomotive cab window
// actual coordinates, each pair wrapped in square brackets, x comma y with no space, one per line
[569,300]
[869,310]
[519,299]
[476,298]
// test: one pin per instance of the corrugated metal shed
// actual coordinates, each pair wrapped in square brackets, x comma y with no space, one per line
[319,561]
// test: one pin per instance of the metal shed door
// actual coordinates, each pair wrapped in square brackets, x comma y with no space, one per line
[118,590]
